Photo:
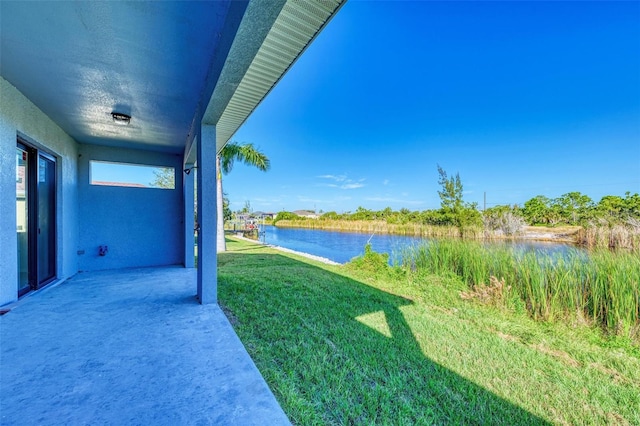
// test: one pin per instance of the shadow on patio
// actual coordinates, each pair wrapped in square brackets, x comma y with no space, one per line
[127,347]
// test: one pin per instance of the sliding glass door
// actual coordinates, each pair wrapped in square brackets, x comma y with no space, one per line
[46,247]
[22,195]
[36,217]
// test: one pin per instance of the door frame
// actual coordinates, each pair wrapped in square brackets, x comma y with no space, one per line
[32,178]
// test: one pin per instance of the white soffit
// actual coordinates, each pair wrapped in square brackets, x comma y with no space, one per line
[298,23]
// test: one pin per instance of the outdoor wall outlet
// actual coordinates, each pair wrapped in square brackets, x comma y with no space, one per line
[102,250]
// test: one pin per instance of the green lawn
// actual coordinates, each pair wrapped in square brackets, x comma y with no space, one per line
[342,345]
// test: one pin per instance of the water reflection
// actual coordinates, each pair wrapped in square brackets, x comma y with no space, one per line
[343,246]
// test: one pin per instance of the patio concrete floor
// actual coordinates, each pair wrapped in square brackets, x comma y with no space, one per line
[127,347]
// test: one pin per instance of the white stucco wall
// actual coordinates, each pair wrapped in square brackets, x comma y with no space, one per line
[140,226]
[18,116]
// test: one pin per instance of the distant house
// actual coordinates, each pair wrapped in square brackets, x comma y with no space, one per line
[309,214]
[263,215]
[157,84]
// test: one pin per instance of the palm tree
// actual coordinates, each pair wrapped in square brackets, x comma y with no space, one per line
[231,152]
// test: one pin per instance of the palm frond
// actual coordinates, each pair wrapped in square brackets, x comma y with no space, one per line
[245,153]
[228,155]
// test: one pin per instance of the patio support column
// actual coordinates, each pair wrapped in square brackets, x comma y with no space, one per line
[207,260]
[189,199]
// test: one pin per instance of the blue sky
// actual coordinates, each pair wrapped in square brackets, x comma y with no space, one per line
[519,98]
[125,173]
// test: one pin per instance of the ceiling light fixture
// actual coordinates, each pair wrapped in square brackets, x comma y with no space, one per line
[121,119]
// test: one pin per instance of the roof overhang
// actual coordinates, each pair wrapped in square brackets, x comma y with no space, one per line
[295,27]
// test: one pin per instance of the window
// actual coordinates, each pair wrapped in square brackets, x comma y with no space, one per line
[131,175]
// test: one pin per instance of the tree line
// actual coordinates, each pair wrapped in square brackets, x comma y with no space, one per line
[572,208]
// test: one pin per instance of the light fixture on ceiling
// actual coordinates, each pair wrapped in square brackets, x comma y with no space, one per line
[121,119]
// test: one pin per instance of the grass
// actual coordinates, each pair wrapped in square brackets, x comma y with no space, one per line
[368,344]
[620,236]
[602,286]
[382,227]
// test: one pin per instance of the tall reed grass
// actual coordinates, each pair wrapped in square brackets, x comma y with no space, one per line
[619,235]
[382,227]
[601,286]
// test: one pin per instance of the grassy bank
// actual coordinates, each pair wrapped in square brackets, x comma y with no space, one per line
[602,288]
[564,233]
[365,344]
[382,227]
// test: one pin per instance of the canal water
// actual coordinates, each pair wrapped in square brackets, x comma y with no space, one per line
[343,246]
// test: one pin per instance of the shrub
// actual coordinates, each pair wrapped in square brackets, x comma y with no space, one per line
[503,221]
[371,261]
[285,216]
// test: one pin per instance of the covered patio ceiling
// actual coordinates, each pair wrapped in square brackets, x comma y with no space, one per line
[169,65]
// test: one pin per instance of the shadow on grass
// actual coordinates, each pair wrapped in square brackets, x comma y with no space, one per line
[335,350]
[255,245]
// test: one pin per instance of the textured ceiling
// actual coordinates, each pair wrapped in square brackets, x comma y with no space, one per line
[168,65]
[80,61]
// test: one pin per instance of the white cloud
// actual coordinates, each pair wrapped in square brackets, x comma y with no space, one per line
[337,178]
[354,185]
[341,181]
